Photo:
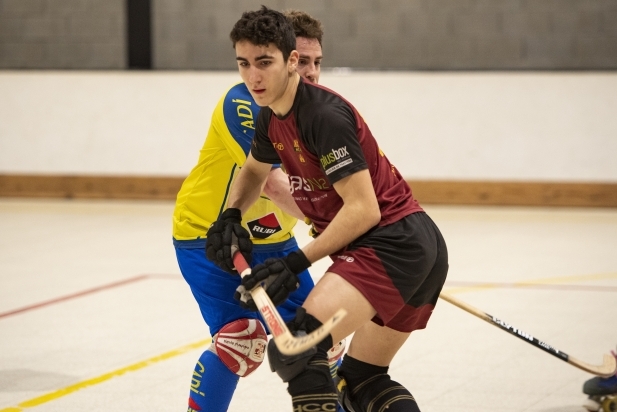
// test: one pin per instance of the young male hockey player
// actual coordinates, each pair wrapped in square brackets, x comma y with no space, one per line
[389,259]
[200,202]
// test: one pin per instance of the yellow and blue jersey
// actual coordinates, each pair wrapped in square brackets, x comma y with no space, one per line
[204,193]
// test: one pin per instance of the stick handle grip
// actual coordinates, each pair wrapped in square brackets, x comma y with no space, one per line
[242,267]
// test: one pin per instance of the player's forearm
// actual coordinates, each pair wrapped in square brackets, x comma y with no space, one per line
[360,212]
[352,221]
[277,189]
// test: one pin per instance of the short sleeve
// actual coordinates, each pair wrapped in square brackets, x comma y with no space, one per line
[335,141]
[262,149]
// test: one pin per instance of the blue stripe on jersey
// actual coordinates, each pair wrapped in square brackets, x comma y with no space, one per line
[240,112]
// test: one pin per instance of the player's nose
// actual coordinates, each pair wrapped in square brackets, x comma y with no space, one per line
[254,76]
[311,73]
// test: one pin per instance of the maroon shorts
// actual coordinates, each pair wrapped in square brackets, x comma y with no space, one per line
[399,268]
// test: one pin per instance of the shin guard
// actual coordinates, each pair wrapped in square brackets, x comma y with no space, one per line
[310,383]
[313,389]
[212,385]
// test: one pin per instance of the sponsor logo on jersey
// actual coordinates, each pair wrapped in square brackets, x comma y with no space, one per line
[346,258]
[265,226]
[338,166]
[244,112]
[278,146]
[338,156]
[308,184]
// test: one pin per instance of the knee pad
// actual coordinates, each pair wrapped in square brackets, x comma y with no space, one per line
[288,367]
[241,345]
[363,387]
[306,374]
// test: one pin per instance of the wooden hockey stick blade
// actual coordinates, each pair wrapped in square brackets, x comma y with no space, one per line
[606,369]
[285,341]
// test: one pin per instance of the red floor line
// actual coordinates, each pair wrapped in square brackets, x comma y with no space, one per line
[168,276]
[74,295]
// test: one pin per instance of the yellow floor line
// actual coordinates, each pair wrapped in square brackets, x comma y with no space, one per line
[100,379]
[140,365]
[546,281]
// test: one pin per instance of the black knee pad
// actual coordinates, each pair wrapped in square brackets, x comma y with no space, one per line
[365,388]
[288,367]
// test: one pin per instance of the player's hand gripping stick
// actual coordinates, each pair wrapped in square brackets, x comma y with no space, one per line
[287,343]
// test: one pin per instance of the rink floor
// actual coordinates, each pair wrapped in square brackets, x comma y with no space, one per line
[94,315]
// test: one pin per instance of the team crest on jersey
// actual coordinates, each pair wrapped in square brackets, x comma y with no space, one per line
[265,226]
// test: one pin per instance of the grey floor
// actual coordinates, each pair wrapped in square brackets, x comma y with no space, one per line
[95,316]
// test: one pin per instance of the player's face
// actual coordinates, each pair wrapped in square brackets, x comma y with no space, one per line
[264,71]
[309,64]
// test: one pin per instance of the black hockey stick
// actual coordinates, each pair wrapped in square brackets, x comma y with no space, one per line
[606,369]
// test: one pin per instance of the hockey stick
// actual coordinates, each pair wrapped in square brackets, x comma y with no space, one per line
[287,343]
[606,369]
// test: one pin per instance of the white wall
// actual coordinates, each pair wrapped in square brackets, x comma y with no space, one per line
[443,125]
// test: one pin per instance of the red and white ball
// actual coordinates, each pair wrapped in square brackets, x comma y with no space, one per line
[241,345]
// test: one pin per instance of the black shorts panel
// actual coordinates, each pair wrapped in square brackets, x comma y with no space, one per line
[400,269]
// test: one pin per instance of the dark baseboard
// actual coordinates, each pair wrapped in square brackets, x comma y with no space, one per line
[566,194]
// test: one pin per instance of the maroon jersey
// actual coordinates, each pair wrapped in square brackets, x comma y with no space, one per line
[320,141]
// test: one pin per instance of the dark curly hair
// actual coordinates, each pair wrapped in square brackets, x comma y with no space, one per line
[263,27]
[305,25]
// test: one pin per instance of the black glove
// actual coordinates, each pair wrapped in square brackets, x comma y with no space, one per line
[219,239]
[279,278]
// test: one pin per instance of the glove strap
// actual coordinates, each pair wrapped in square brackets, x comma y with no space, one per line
[297,261]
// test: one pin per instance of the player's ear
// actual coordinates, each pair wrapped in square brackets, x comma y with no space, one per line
[292,62]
